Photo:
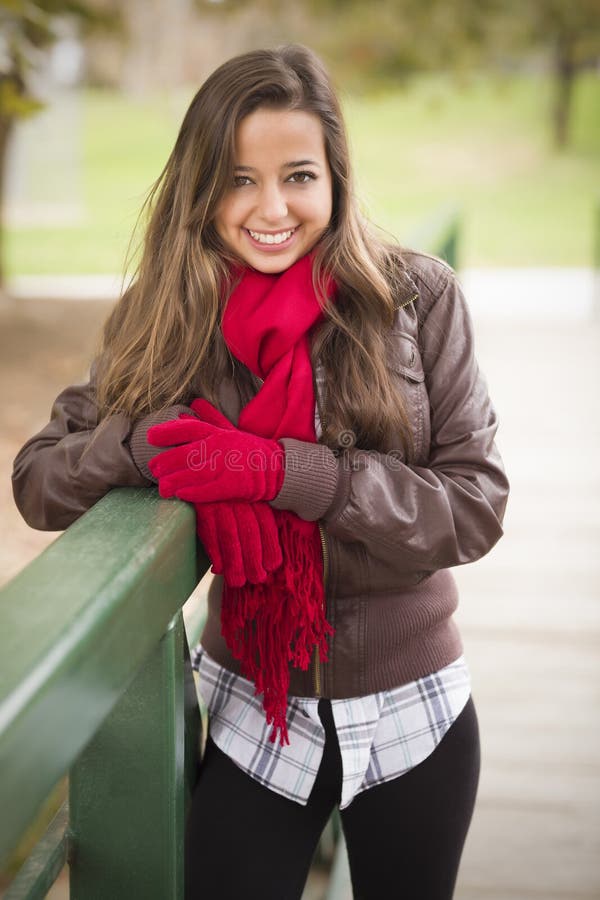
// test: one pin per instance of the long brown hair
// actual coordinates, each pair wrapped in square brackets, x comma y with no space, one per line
[162,342]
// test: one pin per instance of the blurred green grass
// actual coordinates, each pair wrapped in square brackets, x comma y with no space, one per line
[485,145]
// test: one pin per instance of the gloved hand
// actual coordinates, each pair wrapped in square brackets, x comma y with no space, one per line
[215,460]
[241,540]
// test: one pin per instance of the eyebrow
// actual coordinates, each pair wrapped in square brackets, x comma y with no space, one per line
[288,165]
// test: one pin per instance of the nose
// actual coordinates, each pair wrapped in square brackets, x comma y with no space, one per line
[272,204]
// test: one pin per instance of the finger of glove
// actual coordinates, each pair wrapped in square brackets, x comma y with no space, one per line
[229,536]
[165,434]
[189,459]
[197,486]
[153,463]
[230,547]
[206,487]
[179,431]
[210,414]
[271,545]
[227,484]
[250,541]
[206,526]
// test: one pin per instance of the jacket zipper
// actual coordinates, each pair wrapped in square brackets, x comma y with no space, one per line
[321,402]
[402,305]
[316,659]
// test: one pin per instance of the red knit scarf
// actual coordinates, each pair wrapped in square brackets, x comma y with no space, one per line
[266,626]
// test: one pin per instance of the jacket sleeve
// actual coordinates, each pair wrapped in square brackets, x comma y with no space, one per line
[447,513]
[61,472]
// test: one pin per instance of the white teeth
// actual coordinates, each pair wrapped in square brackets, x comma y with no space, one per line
[271,238]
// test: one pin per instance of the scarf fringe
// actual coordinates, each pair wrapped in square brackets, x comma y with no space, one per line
[280,621]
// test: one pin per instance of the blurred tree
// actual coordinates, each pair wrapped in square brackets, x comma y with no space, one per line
[568,32]
[394,39]
[27,29]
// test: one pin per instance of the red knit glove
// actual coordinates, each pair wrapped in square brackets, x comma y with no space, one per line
[241,540]
[214,463]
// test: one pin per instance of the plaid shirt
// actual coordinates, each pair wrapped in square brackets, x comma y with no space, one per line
[381,736]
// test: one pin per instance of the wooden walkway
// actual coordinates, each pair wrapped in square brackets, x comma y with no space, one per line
[530,617]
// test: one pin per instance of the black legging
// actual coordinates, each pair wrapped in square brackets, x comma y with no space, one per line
[404,837]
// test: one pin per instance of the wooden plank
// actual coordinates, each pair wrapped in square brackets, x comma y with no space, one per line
[43,865]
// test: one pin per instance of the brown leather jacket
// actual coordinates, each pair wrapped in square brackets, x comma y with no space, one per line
[390,531]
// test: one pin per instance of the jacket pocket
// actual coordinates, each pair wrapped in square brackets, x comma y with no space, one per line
[404,359]
[404,356]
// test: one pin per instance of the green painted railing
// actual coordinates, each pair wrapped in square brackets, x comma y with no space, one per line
[96,682]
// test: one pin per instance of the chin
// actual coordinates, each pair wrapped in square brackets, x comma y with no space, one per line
[273,265]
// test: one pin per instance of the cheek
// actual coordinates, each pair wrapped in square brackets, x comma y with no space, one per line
[326,204]
[317,209]
[325,212]
[228,216]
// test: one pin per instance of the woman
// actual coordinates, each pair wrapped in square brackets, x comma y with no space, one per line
[314,392]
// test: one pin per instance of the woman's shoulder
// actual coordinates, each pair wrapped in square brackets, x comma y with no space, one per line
[429,273]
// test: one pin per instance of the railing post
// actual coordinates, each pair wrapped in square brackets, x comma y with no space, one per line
[440,235]
[130,788]
[450,250]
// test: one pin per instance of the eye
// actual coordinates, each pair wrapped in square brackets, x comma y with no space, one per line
[295,178]
[302,177]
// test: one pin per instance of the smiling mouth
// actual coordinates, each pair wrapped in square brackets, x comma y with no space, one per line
[272,239]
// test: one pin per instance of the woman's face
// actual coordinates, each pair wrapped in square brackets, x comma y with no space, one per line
[280,199]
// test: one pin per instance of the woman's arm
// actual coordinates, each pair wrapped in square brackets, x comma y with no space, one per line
[58,474]
[445,514]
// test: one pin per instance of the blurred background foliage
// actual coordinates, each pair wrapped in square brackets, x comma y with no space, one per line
[491,103]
